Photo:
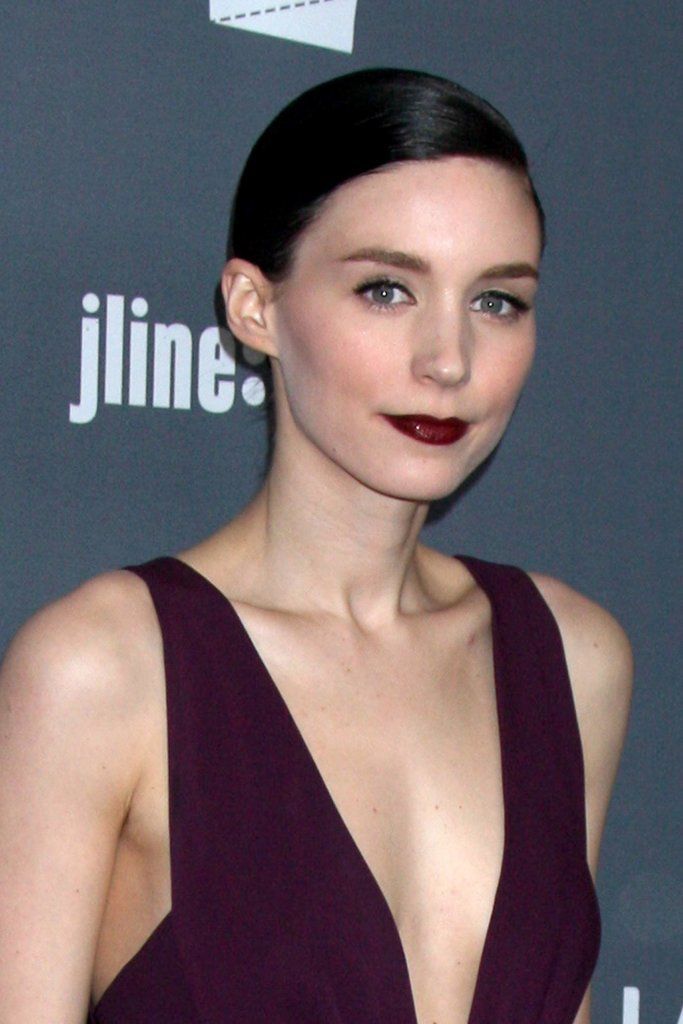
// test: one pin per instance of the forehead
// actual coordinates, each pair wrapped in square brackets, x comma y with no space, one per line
[440,208]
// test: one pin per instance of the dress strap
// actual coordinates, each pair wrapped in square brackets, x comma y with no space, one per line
[547,892]
[539,713]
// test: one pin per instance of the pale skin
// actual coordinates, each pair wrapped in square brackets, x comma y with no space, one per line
[359,624]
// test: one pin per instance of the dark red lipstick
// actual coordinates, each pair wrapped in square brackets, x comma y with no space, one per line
[429,429]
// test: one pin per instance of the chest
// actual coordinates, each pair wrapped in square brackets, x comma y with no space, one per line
[404,740]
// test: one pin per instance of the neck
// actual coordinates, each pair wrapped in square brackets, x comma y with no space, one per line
[319,540]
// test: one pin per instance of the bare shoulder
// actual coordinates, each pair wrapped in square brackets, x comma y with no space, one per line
[600,663]
[88,634]
[79,660]
[78,705]
[597,649]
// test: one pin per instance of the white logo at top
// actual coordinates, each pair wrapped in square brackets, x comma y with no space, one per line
[327,23]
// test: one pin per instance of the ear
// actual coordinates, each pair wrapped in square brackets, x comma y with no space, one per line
[248,293]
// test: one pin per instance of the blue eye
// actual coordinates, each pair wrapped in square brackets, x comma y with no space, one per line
[500,304]
[384,293]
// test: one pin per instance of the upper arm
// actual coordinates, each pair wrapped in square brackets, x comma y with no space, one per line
[584,1013]
[600,663]
[69,759]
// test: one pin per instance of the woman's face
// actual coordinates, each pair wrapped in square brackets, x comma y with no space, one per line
[409,303]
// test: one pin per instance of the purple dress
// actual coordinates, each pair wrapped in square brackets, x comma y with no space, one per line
[276,916]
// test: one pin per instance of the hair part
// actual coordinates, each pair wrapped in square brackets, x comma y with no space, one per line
[352,126]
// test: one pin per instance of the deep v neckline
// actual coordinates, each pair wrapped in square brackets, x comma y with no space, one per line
[296,736]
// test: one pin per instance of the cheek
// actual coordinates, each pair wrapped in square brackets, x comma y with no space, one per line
[319,352]
[506,372]
[517,359]
[520,366]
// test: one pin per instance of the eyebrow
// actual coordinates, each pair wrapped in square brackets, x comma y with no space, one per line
[390,257]
[512,270]
[408,261]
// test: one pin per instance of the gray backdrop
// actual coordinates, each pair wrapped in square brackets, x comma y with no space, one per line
[125,127]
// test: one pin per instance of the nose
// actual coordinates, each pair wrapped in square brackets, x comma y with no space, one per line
[444,353]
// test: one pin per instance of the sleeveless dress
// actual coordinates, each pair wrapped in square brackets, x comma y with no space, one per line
[276,917]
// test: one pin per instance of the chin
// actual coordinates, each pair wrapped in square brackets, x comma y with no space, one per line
[425,481]
[419,489]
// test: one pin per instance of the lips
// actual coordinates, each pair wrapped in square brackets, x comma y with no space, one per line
[429,429]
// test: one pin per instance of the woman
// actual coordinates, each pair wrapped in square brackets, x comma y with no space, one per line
[387,786]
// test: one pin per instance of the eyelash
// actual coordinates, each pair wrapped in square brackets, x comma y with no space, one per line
[382,282]
[519,306]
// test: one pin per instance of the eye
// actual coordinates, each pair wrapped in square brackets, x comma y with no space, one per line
[384,294]
[501,305]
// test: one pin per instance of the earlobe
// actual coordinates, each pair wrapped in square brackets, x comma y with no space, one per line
[247,294]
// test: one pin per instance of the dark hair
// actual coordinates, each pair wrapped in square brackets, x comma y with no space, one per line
[351,126]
